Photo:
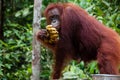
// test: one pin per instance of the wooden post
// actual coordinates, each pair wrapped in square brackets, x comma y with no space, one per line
[36,44]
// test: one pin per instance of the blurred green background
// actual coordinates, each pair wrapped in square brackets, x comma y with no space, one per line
[16,46]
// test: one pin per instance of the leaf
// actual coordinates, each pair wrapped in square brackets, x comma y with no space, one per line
[7,56]
[5,44]
[18,14]
[1,73]
[69,75]
[106,3]
[8,66]
[25,12]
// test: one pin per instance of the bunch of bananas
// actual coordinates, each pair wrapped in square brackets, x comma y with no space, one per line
[52,33]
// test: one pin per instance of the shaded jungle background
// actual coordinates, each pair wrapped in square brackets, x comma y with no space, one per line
[16,18]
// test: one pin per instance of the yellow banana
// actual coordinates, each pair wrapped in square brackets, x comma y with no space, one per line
[54,36]
[52,33]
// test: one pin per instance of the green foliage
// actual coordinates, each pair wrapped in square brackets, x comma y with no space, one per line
[15,57]
[75,72]
[16,49]
[46,62]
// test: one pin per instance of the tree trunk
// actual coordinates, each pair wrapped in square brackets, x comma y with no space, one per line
[36,44]
[1,19]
